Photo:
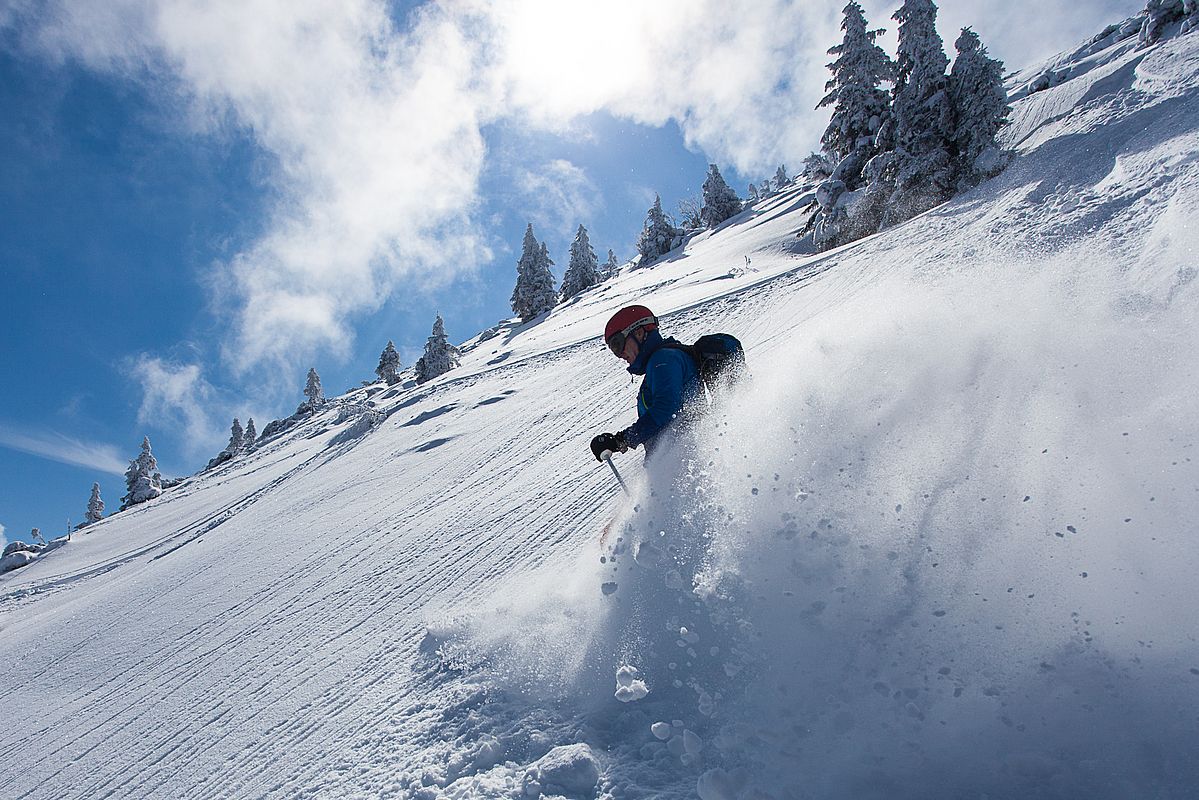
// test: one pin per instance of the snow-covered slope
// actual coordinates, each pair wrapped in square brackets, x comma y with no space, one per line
[940,545]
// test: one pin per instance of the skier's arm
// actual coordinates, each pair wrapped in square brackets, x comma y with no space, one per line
[666,381]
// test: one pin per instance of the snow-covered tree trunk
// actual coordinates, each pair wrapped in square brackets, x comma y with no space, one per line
[312,389]
[583,271]
[389,364]
[720,201]
[534,291]
[95,506]
[440,356]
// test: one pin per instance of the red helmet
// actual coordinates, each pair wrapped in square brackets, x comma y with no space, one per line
[624,322]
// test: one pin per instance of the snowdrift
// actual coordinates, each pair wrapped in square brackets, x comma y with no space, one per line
[939,544]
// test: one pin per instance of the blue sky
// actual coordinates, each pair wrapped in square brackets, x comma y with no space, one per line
[200,202]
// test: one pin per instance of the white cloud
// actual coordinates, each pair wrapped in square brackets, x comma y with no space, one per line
[740,79]
[64,449]
[3,538]
[1026,32]
[559,196]
[372,134]
[177,395]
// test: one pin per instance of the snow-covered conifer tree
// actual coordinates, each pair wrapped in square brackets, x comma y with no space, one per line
[780,177]
[142,480]
[856,132]
[237,438]
[611,267]
[859,103]
[389,364]
[980,108]
[752,194]
[440,356]
[583,271]
[313,391]
[534,291]
[922,170]
[720,201]
[251,435]
[658,235]
[95,506]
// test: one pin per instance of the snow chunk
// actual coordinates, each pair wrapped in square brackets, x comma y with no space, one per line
[570,769]
[716,784]
[629,686]
[16,559]
[660,730]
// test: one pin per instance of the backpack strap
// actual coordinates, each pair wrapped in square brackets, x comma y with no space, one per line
[690,351]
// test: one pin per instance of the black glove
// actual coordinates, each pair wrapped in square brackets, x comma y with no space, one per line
[613,442]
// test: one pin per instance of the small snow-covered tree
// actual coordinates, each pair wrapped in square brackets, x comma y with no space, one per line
[720,201]
[142,480]
[95,506]
[583,271]
[611,267]
[980,107]
[752,194]
[534,291]
[780,177]
[440,356]
[922,171]
[691,215]
[251,435]
[389,364]
[817,166]
[313,391]
[658,235]
[237,445]
[237,438]
[859,103]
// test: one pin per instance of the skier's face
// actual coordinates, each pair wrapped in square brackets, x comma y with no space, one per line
[632,346]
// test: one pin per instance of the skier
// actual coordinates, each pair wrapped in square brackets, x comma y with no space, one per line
[671,380]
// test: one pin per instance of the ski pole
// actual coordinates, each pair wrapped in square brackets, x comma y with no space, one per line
[607,456]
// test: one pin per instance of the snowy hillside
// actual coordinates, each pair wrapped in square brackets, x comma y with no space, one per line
[942,544]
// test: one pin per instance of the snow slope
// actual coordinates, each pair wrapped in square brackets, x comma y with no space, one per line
[941,544]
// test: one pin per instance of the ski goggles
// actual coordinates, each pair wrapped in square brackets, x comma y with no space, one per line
[616,341]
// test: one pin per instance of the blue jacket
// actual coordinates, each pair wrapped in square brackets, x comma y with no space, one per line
[671,382]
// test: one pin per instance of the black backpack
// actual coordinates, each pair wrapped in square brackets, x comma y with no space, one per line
[719,358]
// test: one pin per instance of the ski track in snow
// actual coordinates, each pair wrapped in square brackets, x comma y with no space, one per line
[416,611]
